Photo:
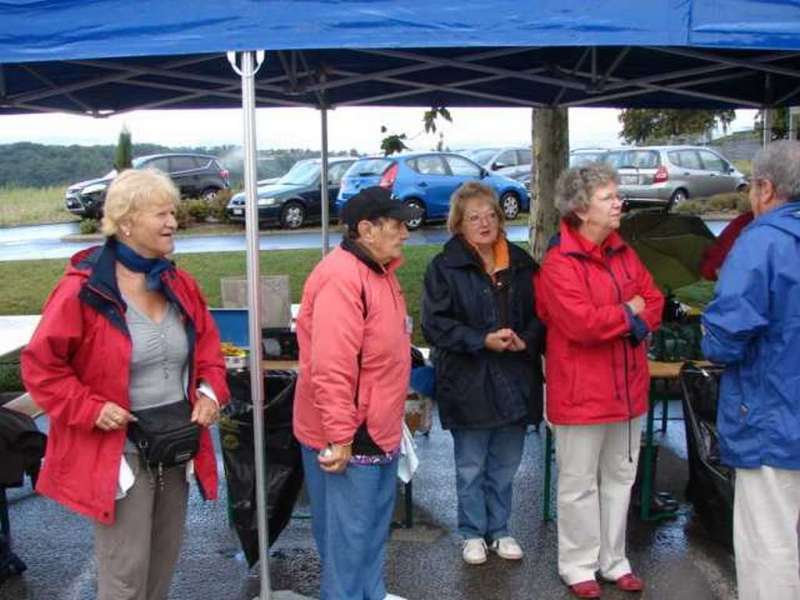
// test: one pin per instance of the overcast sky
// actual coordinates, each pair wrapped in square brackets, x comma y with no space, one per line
[357,128]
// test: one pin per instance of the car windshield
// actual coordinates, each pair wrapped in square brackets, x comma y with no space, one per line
[581,158]
[633,159]
[302,173]
[136,163]
[480,156]
[368,167]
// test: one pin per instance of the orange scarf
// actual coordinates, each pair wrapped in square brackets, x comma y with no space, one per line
[500,254]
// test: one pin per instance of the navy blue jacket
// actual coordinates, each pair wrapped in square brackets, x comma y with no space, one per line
[753,327]
[475,387]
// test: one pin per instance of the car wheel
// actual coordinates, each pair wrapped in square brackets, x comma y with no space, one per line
[413,224]
[509,202]
[743,188]
[679,196]
[209,194]
[293,215]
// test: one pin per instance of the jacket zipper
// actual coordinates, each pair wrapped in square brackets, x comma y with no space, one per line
[625,363]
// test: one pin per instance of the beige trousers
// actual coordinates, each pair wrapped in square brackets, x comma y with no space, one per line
[136,555]
[595,475]
[766,508]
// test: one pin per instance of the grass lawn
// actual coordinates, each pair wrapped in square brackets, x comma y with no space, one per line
[28,295]
[32,206]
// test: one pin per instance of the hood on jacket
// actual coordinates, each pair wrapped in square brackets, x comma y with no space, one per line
[569,241]
[785,217]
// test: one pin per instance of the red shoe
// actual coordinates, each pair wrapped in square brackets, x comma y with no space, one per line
[630,583]
[585,589]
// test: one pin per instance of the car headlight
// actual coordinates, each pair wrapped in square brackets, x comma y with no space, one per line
[95,188]
[267,201]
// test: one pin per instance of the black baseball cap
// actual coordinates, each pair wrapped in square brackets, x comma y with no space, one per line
[373,203]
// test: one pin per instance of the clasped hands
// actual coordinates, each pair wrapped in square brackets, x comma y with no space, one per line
[504,339]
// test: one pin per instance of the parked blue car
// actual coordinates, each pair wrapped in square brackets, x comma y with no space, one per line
[427,180]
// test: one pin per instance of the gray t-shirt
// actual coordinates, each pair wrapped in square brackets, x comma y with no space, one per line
[158,361]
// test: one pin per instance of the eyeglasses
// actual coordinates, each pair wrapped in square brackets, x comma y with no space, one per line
[612,197]
[478,218]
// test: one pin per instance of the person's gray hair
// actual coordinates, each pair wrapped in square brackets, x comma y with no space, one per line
[779,162]
[576,186]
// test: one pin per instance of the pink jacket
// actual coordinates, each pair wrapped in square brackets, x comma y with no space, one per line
[333,327]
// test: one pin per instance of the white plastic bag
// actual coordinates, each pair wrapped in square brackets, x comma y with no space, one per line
[408,461]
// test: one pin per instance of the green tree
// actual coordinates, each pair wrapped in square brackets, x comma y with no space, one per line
[780,123]
[392,143]
[395,142]
[430,116]
[646,125]
[123,156]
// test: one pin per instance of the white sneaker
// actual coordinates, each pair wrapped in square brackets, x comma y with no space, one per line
[474,551]
[393,597]
[508,548]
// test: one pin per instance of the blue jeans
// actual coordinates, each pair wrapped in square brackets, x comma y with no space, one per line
[350,517]
[486,462]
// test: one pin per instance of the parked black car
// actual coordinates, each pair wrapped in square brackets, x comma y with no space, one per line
[196,175]
[294,199]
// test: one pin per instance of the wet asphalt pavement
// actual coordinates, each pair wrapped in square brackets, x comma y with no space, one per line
[38,242]
[676,558]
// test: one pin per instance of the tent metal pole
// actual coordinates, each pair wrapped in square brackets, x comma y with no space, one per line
[766,133]
[323,182]
[251,62]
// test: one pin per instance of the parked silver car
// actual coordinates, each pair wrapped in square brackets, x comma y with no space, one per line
[509,162]
[671,174]
[581,156]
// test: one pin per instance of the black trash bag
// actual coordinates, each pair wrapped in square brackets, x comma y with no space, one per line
[282,454]
[711,484]
[22,447]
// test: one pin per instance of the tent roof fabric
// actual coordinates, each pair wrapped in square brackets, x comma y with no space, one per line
[35,30]
[99,57]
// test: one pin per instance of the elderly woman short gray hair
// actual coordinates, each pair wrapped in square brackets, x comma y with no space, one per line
[575,187]
[779,162]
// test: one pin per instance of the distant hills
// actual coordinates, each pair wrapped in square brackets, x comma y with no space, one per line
[25,164]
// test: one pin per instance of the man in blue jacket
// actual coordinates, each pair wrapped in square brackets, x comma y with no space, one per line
[753,327]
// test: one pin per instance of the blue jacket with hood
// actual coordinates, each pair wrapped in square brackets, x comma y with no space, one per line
[752,326]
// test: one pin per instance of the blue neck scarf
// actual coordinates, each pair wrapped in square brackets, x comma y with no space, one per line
[151,267]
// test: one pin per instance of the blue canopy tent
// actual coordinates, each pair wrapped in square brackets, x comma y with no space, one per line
[108,56]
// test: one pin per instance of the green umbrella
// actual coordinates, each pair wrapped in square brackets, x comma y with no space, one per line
[670,245]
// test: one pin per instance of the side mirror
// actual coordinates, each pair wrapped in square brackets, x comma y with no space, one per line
[496,166]
[484,173]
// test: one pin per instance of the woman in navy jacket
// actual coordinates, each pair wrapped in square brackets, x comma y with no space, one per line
[478,314]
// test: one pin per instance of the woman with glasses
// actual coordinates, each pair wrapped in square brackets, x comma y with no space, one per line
[478,315]
[599,303]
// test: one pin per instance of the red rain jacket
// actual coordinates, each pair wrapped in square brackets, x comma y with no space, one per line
[79,358]
[715,254]
[595,370]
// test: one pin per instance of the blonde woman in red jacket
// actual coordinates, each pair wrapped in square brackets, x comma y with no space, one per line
[599,303]
[125,330]
[355,340]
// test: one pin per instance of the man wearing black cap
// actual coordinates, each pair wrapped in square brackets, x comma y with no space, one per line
[354,336]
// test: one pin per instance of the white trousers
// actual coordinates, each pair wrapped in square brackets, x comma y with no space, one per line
[596,469]
[766,508]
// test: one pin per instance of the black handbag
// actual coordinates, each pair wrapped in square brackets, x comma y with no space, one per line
[165,435]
